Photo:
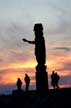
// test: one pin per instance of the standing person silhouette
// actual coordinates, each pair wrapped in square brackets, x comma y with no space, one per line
[40,51]
[27,81]
[19,83]
[55,79]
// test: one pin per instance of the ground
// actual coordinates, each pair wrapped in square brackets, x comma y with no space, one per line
[58,98]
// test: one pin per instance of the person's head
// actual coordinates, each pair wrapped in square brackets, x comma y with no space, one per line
[26,74]
[18,78]
[38,30]
[53,72]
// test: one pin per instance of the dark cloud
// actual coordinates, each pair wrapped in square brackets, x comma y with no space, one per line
[15,70]
[63,48]
[29,70]
[66,80]
[16,56]
[1,60]
[3,71]
[65,67]
[1,77]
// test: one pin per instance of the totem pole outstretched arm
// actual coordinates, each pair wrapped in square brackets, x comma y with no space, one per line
[31,42]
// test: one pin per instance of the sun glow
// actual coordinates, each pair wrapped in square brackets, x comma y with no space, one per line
[14,70]
[19,65]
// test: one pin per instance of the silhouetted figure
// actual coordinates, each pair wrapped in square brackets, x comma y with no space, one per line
[57,79]
[40,51]
[19,83]
[54,80]
[27,81]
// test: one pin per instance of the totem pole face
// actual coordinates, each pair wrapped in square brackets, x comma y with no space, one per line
[38,34]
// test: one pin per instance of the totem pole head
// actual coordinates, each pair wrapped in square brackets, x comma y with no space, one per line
[38,30]
[38,27]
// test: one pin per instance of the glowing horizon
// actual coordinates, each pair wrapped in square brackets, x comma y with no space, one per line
[19,69]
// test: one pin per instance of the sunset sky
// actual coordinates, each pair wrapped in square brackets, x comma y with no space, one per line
[17,19]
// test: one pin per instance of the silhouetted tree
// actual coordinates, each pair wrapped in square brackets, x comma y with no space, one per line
[27,81]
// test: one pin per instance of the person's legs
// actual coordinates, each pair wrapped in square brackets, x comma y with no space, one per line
[57,85]
[54,86]
[27,86]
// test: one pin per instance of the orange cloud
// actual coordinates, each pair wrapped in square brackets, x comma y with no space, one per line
[18,69]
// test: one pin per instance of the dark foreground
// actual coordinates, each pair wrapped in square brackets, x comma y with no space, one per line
[59,98]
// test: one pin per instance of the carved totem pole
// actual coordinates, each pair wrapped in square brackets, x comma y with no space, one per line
[40,53]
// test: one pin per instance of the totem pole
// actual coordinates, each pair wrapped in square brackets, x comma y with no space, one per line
[40,54]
